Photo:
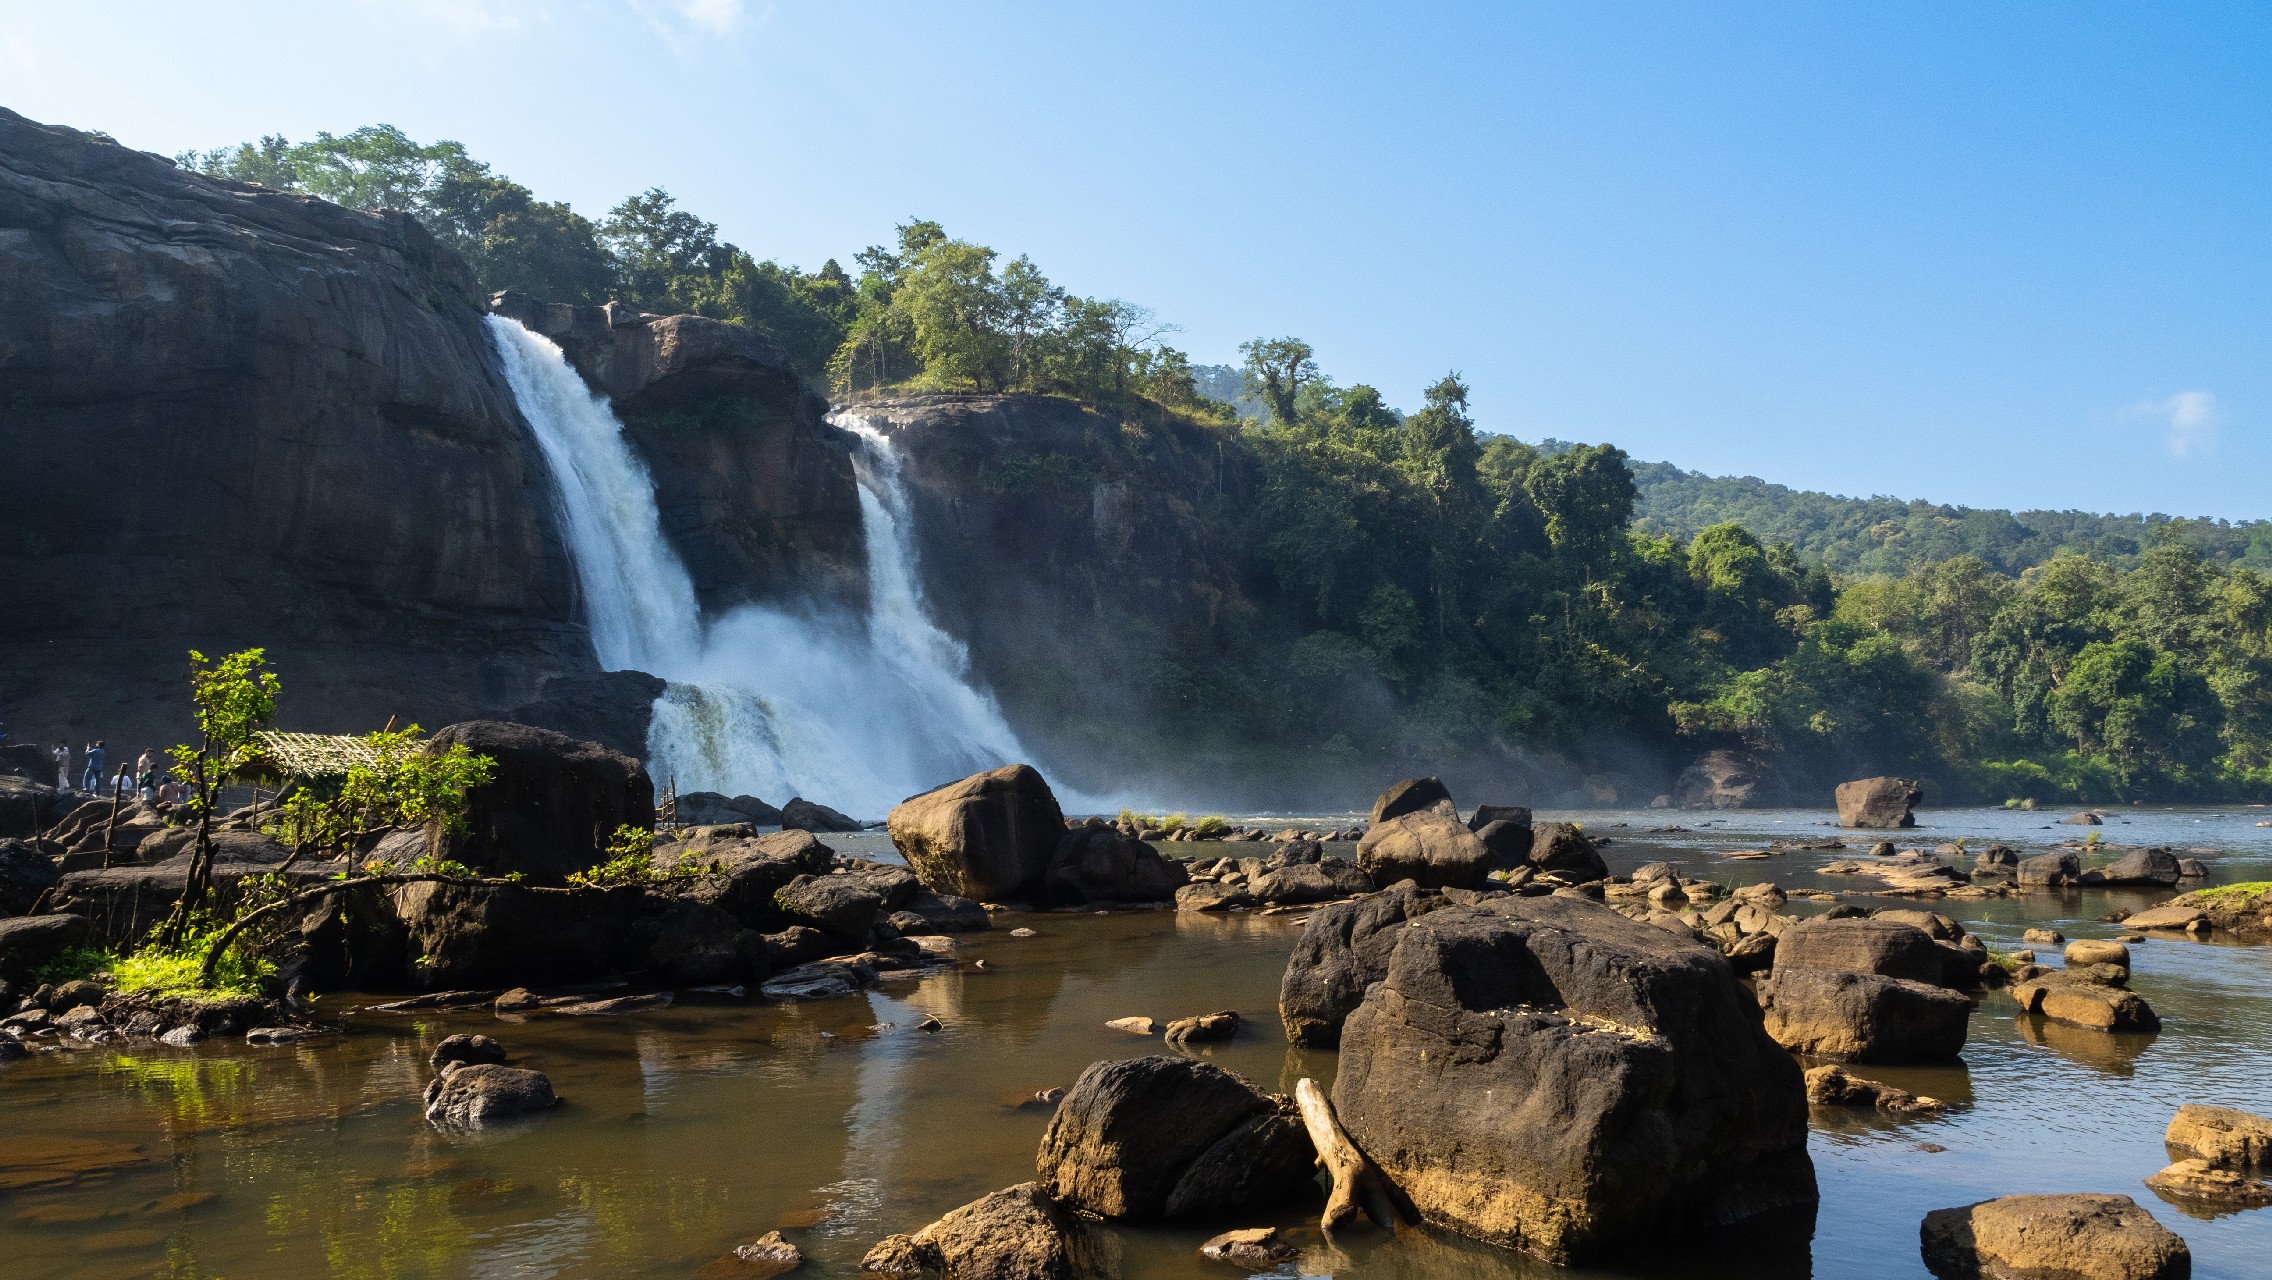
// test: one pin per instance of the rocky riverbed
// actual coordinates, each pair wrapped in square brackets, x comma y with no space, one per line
[686,1130]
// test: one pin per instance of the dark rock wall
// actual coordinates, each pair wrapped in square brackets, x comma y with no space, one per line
[238,417]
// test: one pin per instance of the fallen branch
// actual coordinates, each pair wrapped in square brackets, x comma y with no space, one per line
[1358,1184]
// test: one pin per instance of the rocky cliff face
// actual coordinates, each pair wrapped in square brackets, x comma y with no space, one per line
[755,489]
[237,417]
[1072,550]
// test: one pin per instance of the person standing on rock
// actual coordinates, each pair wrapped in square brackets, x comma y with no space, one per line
[146,774]
[61,754]
[92,782]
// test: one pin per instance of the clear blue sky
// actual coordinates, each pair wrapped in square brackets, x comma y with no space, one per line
[2002,254]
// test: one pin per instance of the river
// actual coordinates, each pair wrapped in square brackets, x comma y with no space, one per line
[686,1131]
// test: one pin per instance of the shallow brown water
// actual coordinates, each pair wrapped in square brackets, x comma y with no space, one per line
[688,1130]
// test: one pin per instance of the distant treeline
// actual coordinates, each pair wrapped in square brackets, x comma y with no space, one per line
[1429,592]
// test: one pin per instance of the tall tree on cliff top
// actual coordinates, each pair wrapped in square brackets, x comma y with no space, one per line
[1586,495]
[1440,454]
[1278,367]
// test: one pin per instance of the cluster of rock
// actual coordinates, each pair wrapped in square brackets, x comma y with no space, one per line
[710,808]
[2221,1159]
[2242,910]
[472,1087]
[2091,991]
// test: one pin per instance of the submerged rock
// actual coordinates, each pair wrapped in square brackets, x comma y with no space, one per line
[1832,1086]
[989,837]
[1882,803]
[1633,1092]
[1252,1247]
[1204,1028]
[473,1097]
[1164,1138]
[1017,1233]
[2057,1237]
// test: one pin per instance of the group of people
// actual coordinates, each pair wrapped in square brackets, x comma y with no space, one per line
[141,779]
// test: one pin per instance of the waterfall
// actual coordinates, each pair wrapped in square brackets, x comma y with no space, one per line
[854,711]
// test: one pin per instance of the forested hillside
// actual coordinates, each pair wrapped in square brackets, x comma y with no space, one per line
[1418,594]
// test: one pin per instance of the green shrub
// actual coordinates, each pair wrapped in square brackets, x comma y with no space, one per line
[1212,827]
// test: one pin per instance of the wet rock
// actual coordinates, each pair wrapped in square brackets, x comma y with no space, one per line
[1134,1026]
[27,942]
[181,1037]
[1164,1138]
[613,1005]
[1884,802]
[988,837]
[466,1050]
[2065,998]
[277,1035]
[1018,1233]
[2049,870]
[1210,895]
[770,1255]
[1997,860]
[1204,1028]
[2087,818]
[2043,937]
[11,1048]
[1562,848]
[696,943]
[793,946]
[1413,795]
[81,1021]
[1343,949]
[1862,1017]
[2223,1136]
[2164,917]
[1633,1092]
[1888,948]
[801,814]
[844,907]
[72,994]
[819,980]
[1832,1086]
[551,806]
[473,1097]
[1429,847]
[1256,1248]
[2057,1237]
[1096,863]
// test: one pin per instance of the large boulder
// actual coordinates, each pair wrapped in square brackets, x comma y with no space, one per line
[1429,847]
[1343,950]
[1017,1233]
[2060,1237]
[454,936]
[2071,997]
[25,874]
[2049,870]
[712,809]
[845,907]
[1862,1017]
[743,872]
[988,837]
[1631,1090]
[1413,795]
[1324,880]
[551,808]
[1888,948]
[801,814]
[1878,802]
[28,808]
[474,1097]
[2157,867]
[1158,1138]
[1724,779]
[1486,814]
[1562,847]
[2224,1137]
[27,942]
[1096,863]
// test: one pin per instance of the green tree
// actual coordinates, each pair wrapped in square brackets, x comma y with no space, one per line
[1278,368]
[1585,495]
[235,698]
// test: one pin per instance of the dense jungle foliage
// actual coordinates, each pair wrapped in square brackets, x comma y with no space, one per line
[1445,592]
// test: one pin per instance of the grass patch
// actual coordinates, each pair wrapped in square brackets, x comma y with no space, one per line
[2224,892]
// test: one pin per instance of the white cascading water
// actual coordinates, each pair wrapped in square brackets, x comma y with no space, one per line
[854,712]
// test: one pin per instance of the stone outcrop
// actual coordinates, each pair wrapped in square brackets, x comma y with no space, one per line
[1159,1138]
[1862,1017]
[1888,948]
[2073,997]
[1429,846]
[1883,803]
[1632,1090]
[801,814]
[2049,870]
[2241,910]
[989,837]
[2144,867]
[1561,847]
[25,874]
[1724,779]
[2059,1237]
[552,806]
[241,417]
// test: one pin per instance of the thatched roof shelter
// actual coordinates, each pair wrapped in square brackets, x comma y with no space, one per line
[280,757]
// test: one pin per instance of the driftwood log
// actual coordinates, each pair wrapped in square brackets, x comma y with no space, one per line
[1358,1185]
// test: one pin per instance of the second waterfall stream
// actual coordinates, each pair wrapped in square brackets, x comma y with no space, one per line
[853,711]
